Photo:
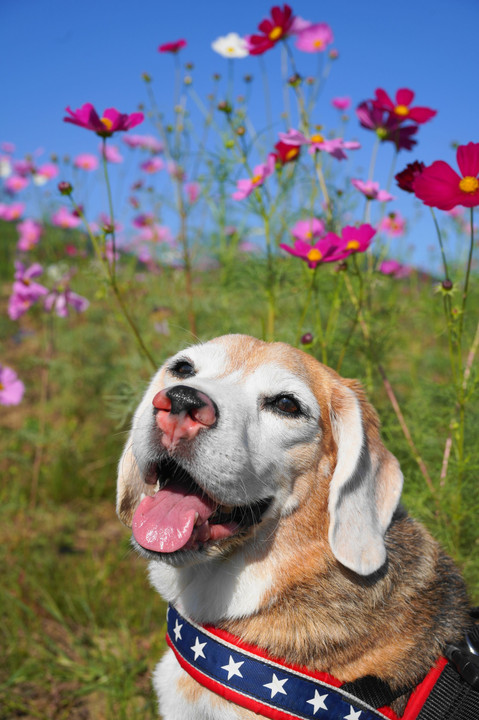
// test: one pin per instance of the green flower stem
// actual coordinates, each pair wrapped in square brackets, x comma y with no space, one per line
[374,155]
[267,95]
[322,185]
[284,78]
[306,306]
[112,281]
[466,282]
[110,207]
[319,322]
[447,303]
[270,281]
[335,307]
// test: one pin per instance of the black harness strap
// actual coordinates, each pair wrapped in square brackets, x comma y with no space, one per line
[452,698]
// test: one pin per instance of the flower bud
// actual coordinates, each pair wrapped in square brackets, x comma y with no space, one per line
[224,106]
[307,339]
[188,80]
[447,284]
[65,188]
[248,78]
[146,77]
[295,80]
[240,130]
[189,66]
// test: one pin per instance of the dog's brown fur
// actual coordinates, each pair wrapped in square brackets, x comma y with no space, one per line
[392,624]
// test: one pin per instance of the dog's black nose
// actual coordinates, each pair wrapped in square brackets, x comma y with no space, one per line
[185,398]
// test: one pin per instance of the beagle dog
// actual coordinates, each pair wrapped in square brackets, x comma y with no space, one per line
[257,485]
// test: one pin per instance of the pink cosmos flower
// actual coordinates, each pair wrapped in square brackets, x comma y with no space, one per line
[29,234]
[172,47]
[307,230]
[341,103]
[353,240]
[111,153]
[111,121]
[15,183]
[44,173]
[438,185]
[152,165]
[335,146]
[23,167]
[61,298]
[393,225]
[25,291]
[260,173]
[314,38]
[273,29]
[86,161]
[402,109]
[143,220]
[7,147]
[11,212]
[371,190]
[144,142]
[387,126]
[394,268]
[323,250]
[65,219]
[192,190]
[156,233]
[11,388]
[286,153]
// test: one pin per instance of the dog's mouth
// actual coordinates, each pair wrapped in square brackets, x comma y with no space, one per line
[182,516]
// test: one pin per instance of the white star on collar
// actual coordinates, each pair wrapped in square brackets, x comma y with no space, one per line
[276,686]
[198,649]
[233,668]
[177,630]
[353,714]
[318,702]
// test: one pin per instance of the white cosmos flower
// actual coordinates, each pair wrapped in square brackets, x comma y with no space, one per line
[231,46]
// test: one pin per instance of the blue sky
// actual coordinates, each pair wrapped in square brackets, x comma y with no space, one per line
[55,53]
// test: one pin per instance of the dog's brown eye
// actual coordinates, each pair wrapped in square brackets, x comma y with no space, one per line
[286,404]
[182,368]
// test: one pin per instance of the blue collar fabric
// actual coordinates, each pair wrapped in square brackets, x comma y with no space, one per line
[245,676]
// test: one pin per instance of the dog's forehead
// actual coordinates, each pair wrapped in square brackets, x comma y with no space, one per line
[244,359]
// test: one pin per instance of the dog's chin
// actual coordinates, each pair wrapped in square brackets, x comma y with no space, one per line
[163,533]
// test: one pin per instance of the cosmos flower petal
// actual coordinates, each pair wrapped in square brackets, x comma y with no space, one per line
[468,159]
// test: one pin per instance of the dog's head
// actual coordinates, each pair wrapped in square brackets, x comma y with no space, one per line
[234,435]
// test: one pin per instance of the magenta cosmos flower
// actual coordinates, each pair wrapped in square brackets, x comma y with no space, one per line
[402,109]
[172,47]
[394,268]
[371,190]
[314,38]
[11,388]
[152,165]
[438,185]
[324,250]
[341,103]
[110,122]
[387,127]
[62,298]
[15,183]
[353,240]
[144,142]
[273,29]
[65,219]
[244,188]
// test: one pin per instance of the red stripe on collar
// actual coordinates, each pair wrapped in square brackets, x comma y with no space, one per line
[423,690]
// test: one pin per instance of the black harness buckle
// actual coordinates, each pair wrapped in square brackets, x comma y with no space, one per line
[466,664]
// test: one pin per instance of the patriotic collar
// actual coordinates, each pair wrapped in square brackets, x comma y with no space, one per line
[247,676]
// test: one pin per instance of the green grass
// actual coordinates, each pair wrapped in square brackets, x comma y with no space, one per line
[81,629]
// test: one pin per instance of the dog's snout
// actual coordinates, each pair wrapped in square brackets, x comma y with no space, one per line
[181,413]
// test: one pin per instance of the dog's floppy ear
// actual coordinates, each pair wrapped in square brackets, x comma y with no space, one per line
[130,485]
[366,483]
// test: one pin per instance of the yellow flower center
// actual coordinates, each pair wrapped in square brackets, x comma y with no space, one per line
[292,153]
[402,110]
[275,33]
[469,184]
[318,43]
[317,138]
[26,281]
[352,245]
[314,255]
[309,234]
[230,50]
[256,179]
[107,122]
[2,387]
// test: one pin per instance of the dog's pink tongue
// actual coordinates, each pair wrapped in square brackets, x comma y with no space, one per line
[165,522]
